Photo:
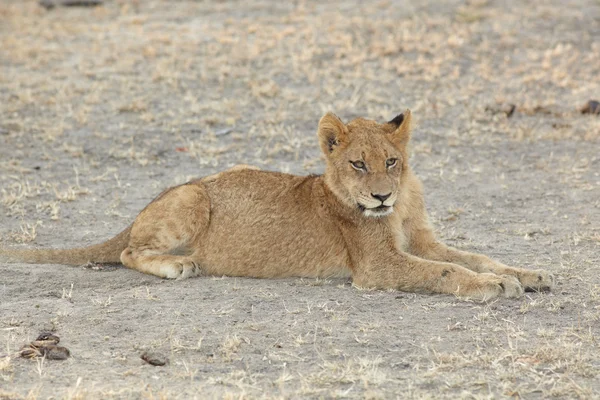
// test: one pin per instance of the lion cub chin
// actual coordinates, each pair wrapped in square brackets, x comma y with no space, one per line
[364,216]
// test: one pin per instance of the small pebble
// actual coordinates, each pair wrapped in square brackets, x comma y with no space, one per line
[223,132]
[48,4]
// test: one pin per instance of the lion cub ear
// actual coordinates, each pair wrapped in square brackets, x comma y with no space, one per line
[402,125]
[332,132]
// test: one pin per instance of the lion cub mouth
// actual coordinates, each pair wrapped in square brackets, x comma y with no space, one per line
[379,211]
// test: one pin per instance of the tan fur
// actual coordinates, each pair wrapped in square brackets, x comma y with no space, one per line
[365,217]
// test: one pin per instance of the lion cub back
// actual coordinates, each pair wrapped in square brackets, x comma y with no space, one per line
[273,224]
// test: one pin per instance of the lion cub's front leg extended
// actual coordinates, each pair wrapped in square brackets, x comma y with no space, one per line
[395,270]
[530,279]
[171,224]
[423,244]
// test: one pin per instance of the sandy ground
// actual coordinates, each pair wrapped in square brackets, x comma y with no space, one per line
[101,108]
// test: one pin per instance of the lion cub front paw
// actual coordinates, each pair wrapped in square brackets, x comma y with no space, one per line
[511,286]
[489,286]
[537,280]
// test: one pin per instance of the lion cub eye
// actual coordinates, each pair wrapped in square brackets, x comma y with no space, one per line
[391,162]
[358,165]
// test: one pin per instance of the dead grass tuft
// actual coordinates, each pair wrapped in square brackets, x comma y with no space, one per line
[102,108]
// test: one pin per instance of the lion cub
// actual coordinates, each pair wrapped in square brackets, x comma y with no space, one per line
[364,217]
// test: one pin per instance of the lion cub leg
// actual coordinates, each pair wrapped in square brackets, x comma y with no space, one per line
[532,280]
[165,234]
[392,270]
[425,245]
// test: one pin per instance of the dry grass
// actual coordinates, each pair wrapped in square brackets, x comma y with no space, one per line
[101,108]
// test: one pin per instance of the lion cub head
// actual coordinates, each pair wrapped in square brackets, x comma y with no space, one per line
[366,161]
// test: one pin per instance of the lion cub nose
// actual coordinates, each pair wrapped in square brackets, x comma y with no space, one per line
[381,197]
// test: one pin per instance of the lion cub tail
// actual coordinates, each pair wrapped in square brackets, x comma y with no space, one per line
[107,252]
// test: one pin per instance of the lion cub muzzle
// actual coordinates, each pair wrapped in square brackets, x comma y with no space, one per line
[377,205]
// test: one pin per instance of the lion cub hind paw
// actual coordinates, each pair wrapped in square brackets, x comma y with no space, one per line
[180,270]
[190,269]
[537,281]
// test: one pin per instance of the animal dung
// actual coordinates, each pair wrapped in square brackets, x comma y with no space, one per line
[591,107]
[155,359]
[45,346]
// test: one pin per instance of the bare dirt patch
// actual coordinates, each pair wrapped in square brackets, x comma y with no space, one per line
[101,108]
